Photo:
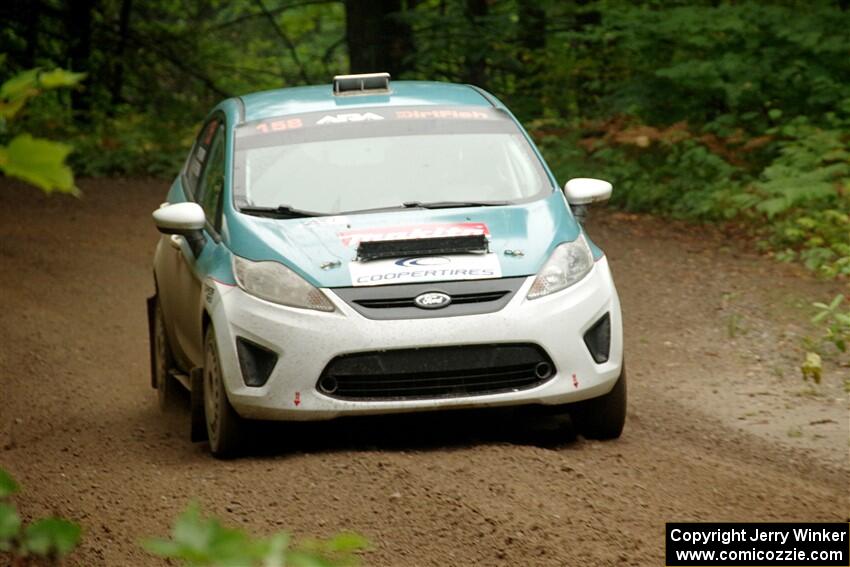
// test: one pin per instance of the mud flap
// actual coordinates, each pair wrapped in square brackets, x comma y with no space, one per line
[196,405]
[151,301]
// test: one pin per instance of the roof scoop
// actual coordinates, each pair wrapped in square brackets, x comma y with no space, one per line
[364,84]
[418,247]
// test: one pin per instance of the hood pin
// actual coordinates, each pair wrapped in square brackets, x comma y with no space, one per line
[509,252]
[330,265]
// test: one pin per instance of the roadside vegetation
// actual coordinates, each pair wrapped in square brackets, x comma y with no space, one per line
[196,540]
[42,542]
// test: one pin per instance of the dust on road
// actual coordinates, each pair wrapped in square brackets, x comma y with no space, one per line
[720,428]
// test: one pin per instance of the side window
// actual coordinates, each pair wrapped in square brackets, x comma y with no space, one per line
[211,182]
[199,154]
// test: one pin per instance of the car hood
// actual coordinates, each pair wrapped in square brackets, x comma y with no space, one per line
[323,249]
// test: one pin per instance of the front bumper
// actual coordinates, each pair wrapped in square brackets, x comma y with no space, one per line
[306,341]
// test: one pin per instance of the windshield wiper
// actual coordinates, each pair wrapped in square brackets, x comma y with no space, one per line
[451,204]
[287,212]
[279,212]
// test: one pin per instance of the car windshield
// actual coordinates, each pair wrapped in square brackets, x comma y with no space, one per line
[330,163]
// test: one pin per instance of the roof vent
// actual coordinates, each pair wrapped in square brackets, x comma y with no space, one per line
[367,83]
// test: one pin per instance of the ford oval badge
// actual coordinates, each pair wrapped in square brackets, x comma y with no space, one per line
[432,300]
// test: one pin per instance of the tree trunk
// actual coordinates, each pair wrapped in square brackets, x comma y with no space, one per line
[531,34]
[532,25]
[31,15]
[79,29]
[475,60]
[123,37]
[377,39]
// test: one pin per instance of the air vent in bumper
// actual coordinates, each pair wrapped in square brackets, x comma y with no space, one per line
[436,372]
[255,361]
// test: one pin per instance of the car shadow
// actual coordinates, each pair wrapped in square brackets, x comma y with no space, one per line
[434,430]
[533,426]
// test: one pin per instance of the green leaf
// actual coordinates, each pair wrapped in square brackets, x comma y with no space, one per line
[836,302]
[348,542]
[812,367]
[15,92]
[199,540]
[820,316]
[59,78]
[8,486]
[191,531]
[161,547]
[10,522]
[773,206]
[774,113]
[22,85]
[51,536]
[306,559]
[39,162]
[203,541]
[275,556]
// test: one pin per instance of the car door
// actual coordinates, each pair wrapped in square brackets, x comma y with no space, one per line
[205,185]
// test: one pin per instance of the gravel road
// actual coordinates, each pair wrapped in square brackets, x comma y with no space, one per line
[721,427]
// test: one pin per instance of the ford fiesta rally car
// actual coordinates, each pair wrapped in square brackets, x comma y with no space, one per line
[373,247]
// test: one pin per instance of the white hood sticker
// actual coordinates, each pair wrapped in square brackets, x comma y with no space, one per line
[413,232]
[425,269]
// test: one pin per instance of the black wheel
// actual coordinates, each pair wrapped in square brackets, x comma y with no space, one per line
[602,417]
[167,388]
[223,423]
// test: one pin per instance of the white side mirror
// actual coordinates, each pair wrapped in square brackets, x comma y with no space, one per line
[180,218]
[584,191]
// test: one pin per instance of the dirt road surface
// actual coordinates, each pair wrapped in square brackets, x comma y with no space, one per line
[721,427]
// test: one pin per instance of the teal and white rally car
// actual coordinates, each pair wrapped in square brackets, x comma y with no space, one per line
[371,247]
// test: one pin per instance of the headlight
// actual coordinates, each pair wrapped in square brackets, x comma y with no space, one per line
[275,282]
[569,263]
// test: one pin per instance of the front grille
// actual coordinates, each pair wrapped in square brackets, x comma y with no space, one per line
[457,299]
[436,372]
[469,297]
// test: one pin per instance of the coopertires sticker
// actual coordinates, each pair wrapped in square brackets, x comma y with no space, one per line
[425,269]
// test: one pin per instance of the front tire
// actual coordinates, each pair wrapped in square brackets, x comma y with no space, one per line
[224,425]
[167,388]
[602,417]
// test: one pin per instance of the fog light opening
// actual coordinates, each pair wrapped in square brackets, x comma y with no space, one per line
[598,339]
[255,361]
[543,370]
[328,385]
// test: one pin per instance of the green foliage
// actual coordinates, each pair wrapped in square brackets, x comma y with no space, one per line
[142,103]
[197,540]
[10,525]
[716,111]
[37,161]
[8,486]
[131,144]
[50,537]
[45,539]
[835,323]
